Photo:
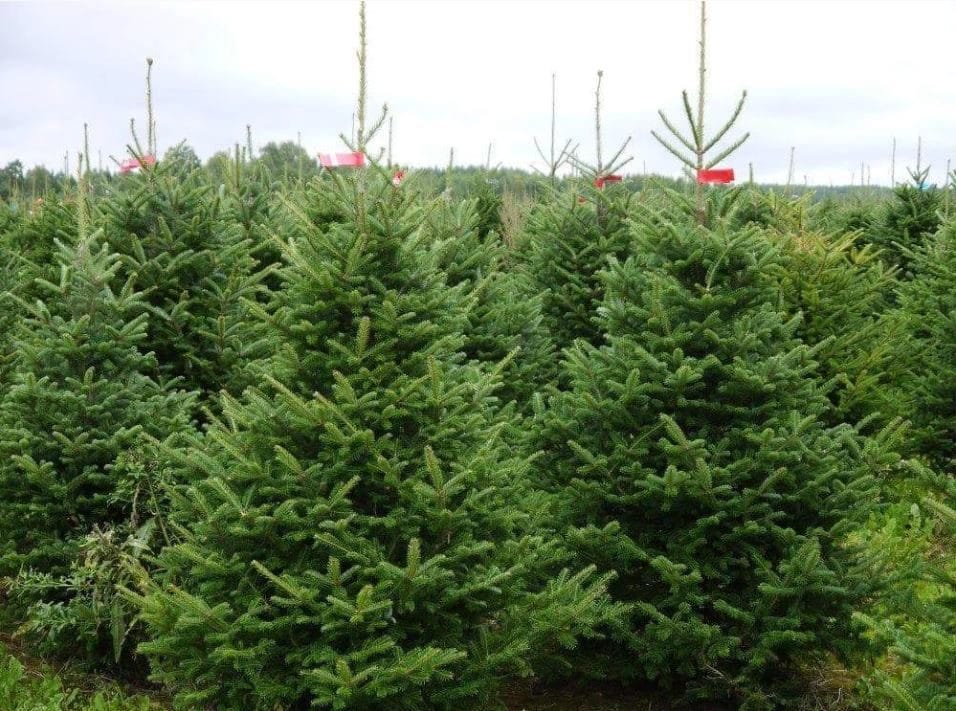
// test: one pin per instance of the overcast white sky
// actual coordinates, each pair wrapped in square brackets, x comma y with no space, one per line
[835,79]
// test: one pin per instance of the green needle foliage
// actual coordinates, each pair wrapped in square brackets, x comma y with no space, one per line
[358,532]
[80,401]
[196,274]
[690,454]
[845,296]
[908,220]
[567,244]
[928,303]
[504,321]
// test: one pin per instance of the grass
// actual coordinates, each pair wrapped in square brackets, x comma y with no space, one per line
[29,685]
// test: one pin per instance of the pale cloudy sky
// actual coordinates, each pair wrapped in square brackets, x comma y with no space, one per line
[837,80]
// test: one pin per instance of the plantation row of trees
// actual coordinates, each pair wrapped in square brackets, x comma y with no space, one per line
[334,441]
[277,438]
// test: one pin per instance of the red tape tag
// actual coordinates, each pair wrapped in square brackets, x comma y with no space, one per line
[603,180]
[342,160]
[715,175]
[132,165]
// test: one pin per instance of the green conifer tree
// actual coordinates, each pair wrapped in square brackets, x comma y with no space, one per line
[80,402]
[691,455]
[504,320]
[909,219]
[196,270]
[928,303]
[845,296]
[566,246]
[571,234]
[358,533]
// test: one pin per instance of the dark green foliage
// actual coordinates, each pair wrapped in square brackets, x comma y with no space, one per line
[194,270]
[11,180]
[486,194]
[367,527]
[858,216]
[287,160]
[357,534]
[928,303]
[32,238]
[690,454]
[569,242]
[181,160]
[504,312]
[755,208]
[79,402]
[908,220]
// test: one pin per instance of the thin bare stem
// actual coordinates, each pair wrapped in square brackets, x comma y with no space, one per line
[597,121]
[893,164]
[150,116]
[363,89]
[790,169]
[389,142]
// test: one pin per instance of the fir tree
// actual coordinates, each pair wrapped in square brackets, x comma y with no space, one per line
[504,321]
[572,234]
[196,273]
[909,219]
[690,454]
[845,296]
[80,399]
[928,303]
[567,245]
[354,536]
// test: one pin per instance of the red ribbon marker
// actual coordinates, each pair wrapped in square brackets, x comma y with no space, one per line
[342,160]
[398,177]
[715,175]
[600,182]
[133,165]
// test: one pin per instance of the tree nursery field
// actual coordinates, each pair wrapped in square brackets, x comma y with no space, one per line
[280,432]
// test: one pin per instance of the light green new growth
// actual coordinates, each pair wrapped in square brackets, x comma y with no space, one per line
[362,135]
[697,144]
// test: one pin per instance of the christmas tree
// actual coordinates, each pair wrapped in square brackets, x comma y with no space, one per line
[359,531]
[691,455]
[845,296]
[909,219]
[928,303]
[504,313]
[567,245]
[571,234]
[81,402]
[355,534]
[196,273]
